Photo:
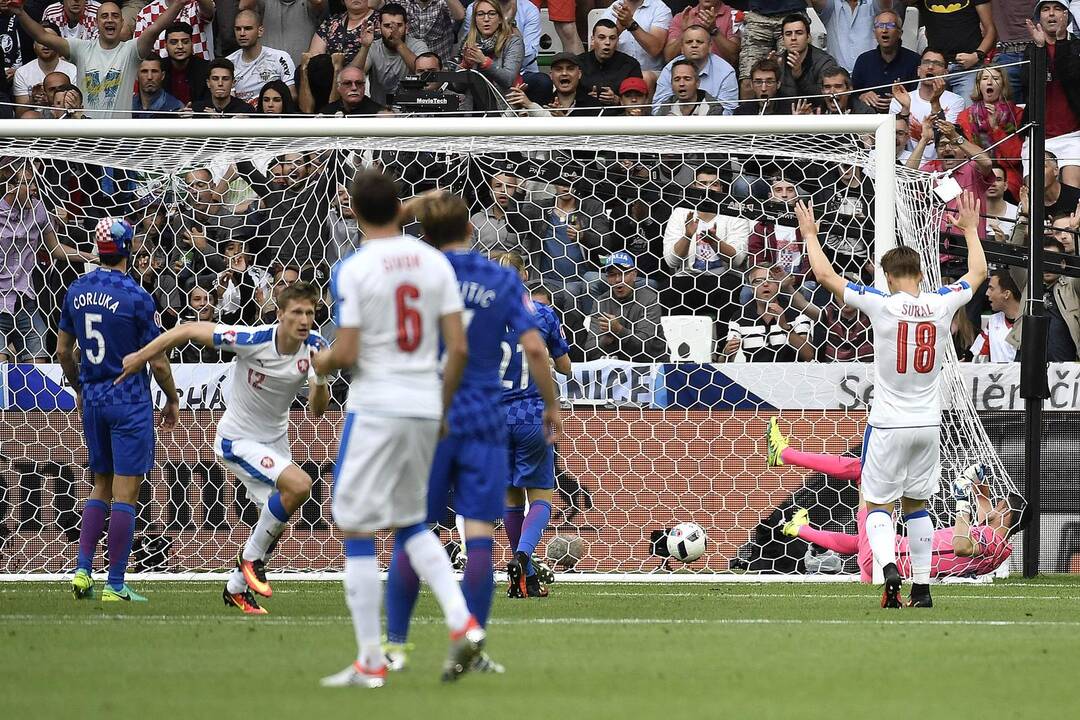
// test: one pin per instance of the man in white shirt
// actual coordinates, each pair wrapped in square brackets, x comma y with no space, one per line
[1004,297]
[33,73]
[393,299]
[1000,213]
[643,27]
[255,64]
[107,66]
[931,98]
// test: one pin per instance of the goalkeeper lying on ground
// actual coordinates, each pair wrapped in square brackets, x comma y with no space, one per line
[976,545]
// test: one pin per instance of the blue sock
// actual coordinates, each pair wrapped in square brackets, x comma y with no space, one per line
[402,589]
[276,508]
[121,535]
[536,521]
[93,527]
[478,584]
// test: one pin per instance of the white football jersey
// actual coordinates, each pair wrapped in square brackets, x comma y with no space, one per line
[395,290]
[911,336]
[264,384]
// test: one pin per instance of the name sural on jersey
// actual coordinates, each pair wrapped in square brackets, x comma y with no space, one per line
[919,311]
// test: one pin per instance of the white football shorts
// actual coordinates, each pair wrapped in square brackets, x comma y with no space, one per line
[257,465]
[901,462]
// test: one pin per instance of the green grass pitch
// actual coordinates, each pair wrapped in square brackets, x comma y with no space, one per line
[792,651]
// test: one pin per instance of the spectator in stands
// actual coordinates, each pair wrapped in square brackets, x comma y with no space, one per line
[341,33]
[341,235]
[715,15]
[151,99]
[390,56]
[845,208]
[688,99]
[289,26]
[1060,196]
[715,76]
[886,65]
[802,66]
[774,245]
[993,119]
[643,28]
[492,47]
[25,230]
[501,227]
[255,64]
[848,337]
[526,20]
[185,73]
[903,140]
[433,22]
[199,308]
[240,286]
[765,81]
[632,93]
[704,249]
[283,277]
[198,14]
[33,73]
[625,321]
[275,99]
[1010,21]
[570,99]
[849,26]
[761,36]
[767,328]
[930,98]
[353,101]
[1000,213]
[1004,297]
[603,67]
[211,224]
[107,65]
[1062,297]
[964,33]
[11,44]
[836,83]
[570,230]
[221,100]
[67,103]
[74,19]
[1062,119]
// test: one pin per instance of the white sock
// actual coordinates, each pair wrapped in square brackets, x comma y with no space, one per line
[363,595]
[920,532]
[433,566]
[263,535]
[237,584]
[881,533]
[459,523]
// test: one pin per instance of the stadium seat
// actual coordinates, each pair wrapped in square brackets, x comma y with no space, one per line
[689,337]
[550,43]
[594,15]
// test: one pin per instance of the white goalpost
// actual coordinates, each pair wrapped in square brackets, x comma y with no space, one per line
[657,434]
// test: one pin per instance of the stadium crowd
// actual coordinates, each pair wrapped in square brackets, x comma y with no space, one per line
[615,241]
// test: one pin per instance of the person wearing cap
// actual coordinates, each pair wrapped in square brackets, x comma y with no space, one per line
[625,322]
[603,67]
[715,76]
[632,94]
[1050,28]
[570,97]
[689,98]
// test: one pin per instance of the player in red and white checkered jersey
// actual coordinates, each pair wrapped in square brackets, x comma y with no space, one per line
[197,13]
[75,18]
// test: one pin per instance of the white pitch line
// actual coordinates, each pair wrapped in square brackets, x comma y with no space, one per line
[810,596]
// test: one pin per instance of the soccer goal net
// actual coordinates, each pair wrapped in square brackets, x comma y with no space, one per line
[668,248]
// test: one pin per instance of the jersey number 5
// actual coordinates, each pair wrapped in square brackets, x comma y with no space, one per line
[925,343]
[410,326]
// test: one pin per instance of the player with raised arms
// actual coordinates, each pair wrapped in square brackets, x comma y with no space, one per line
[273,363]
[108,314]
[901,458]
[532,456]
[472,464]
[393,298]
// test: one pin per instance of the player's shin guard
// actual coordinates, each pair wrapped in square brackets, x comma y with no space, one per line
[920,531]
[513,518]
[267,530]
[121,535]
[881,534]
[478,584]
[93,527]
[429,560]
[533,529]
[402,589]
[362,595]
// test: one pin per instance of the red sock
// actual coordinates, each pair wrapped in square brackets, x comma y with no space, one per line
[840,542]
[837,466]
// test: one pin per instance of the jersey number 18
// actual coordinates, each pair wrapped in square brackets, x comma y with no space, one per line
[925,343]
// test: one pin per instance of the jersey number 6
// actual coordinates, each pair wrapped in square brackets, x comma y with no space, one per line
[925,342]
[410,327]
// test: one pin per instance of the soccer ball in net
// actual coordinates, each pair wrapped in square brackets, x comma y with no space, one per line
[686,542]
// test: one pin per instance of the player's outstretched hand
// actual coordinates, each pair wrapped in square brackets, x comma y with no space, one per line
[552,425]
[170,414]
[320,361]
[967,216]
[805,214]
[133,363]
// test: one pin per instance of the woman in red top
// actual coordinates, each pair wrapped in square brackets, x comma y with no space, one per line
[992,118]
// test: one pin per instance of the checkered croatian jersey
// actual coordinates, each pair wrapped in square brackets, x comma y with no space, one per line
[495,303]
[911,335]
[111,316]
[524,406]
[85,29]
[265,382]
[202,31]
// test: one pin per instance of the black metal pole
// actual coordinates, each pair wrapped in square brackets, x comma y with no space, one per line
[1033,368]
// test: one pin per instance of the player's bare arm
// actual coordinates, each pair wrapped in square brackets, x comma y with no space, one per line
[65,352]
[819,263]
[339,356]
[457,355]
[965,489]
[318,396]
[199,332]
[536,354]
[162,370]
[562,365]
[967,220]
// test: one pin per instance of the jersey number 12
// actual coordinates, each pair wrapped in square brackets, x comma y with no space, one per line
[925,343]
